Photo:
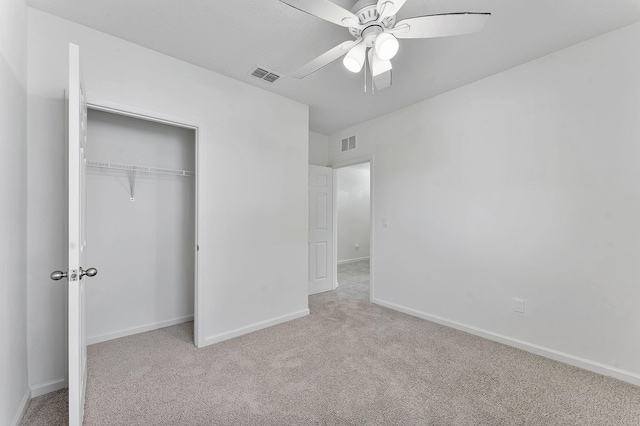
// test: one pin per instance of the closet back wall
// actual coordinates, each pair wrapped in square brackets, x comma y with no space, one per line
[143,249]
[353,212]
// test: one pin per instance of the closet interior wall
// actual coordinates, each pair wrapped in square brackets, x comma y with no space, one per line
[353,211]
[144,249]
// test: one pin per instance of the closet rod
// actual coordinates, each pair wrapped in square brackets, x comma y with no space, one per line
[137,168]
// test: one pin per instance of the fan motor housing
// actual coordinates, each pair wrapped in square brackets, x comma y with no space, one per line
[370,33]
[367,14]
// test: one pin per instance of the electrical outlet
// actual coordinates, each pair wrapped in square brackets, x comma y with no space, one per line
[385,222]
[518,305]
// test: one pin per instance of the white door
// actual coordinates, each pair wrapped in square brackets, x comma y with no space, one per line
[77,247]
[320,229]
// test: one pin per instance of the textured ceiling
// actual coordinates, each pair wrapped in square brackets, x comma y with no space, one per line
[231,37]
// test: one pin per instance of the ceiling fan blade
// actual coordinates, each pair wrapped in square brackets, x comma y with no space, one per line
[326,10]
[383,80]
[446,24]
[326,58]
[388,7]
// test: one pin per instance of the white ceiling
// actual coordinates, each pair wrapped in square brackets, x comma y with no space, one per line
[231,37]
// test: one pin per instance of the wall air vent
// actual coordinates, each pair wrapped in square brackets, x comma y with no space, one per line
[264,74]
[349,143]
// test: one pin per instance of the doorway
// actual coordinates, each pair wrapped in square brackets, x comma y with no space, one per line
[353,230]
[141,220]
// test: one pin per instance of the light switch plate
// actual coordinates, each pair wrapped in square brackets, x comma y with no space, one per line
[518,305]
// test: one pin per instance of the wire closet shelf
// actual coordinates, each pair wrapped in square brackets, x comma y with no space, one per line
[138,168]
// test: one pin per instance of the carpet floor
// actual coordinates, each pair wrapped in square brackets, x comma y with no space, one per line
[353,279]
[348,363]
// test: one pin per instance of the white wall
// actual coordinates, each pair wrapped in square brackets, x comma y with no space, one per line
[146,247]
[318,149]
[525,184]
[253,160]
[353,212]
[14,390]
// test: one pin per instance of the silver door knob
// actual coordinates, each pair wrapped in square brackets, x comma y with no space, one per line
[58,275]
[91,272]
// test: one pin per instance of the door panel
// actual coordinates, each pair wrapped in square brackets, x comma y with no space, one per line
[321,212]
[321,261]
[320,229]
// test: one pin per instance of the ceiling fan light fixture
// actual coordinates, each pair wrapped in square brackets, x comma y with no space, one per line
[354,60]
[386,46]
[378,65]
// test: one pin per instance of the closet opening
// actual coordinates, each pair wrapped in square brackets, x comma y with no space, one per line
[353,230]
[141,219]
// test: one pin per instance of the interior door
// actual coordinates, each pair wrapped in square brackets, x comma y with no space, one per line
[77,115]
[320,229]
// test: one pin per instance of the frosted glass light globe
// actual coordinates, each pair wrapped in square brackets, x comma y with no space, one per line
[386,46]
[355,58]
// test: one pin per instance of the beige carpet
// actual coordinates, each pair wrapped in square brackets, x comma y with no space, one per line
[348,363]
[353,279]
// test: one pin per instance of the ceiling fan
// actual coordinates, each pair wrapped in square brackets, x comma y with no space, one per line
[373,24]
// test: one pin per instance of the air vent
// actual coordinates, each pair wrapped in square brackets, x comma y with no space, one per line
[264,74]
[271,77]
[349,143]
[259,72]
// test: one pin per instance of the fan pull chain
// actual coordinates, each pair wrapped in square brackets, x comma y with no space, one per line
[373,86]
[365,71]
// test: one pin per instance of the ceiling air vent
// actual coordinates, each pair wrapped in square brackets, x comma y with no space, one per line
[349,143]
[264,74]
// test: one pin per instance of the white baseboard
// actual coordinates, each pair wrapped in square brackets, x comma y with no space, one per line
[22,408]
[136,330]
[254,327]
[596,367]
[48,386]
[357,259]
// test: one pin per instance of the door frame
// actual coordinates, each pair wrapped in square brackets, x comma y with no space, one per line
[341,165]
[171,120]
